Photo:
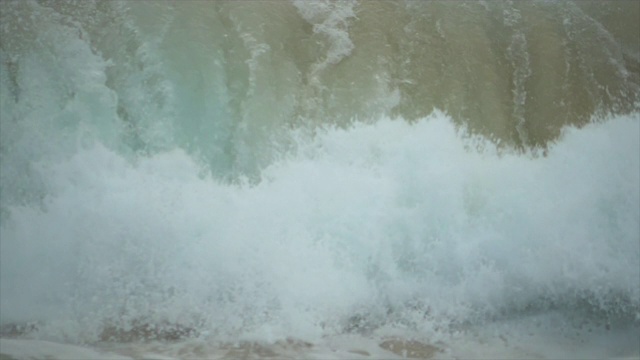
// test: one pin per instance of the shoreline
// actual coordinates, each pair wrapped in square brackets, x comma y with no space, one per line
[481,343]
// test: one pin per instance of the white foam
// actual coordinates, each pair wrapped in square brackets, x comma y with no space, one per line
[380,217]
[330,19]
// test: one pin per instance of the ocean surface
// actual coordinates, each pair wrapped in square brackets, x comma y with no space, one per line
[319,179]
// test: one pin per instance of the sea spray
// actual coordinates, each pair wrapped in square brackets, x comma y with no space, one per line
[389,221]
[235,170]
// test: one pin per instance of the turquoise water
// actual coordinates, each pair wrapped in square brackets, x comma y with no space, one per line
[269,169]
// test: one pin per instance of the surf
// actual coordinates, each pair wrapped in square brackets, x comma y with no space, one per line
[452,176]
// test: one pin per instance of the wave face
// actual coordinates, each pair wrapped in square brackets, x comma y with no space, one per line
[275,168]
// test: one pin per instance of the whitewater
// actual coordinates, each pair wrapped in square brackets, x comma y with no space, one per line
[319,179]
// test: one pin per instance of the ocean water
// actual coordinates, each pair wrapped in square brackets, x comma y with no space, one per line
[319,177]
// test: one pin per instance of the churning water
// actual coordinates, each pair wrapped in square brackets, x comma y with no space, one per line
[265,169]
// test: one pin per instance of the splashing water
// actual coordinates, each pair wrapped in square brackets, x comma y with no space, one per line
[268,169]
